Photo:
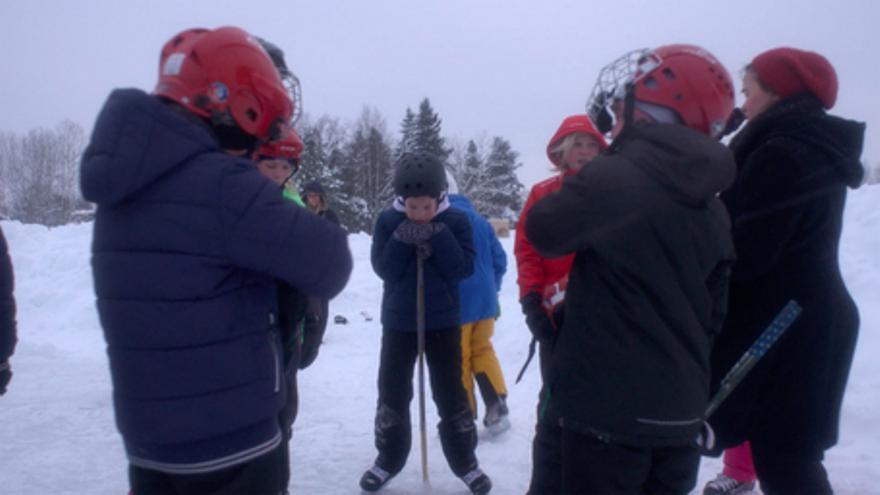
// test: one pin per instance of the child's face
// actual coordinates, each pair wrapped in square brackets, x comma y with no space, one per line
[275,170]
[583,149]
[420,209]
[313,199]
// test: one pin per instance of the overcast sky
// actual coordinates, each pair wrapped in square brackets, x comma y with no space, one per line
[512,68]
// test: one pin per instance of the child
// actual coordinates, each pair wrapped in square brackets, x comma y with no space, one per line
[298,315]
[189,241]
[317,202]
[542,282]
[479,309]
[420,223]
[646,293]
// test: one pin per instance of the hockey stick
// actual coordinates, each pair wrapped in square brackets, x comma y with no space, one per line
[753,354]
[420,332]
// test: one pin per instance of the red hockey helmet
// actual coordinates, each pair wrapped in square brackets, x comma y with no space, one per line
[225,74]
[686,79]
[289,147]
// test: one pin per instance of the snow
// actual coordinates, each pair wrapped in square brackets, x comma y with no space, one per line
[57,433]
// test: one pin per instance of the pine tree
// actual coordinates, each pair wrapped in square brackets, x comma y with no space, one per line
[500,191]
[407,134]
[472,171]
[426,136]
[366,172]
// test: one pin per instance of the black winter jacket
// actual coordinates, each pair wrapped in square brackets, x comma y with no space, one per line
[795,164]
[7,304]
[647,289]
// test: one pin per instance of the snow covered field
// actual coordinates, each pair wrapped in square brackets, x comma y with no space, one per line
[57,434]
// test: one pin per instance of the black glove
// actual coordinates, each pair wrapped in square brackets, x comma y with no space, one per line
[417,233]
[5,376]
[536,318]
[424,250]
[313,334]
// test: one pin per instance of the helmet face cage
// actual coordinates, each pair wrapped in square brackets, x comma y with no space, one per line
[684,79]
[288,78]
[294,92]
[613,81]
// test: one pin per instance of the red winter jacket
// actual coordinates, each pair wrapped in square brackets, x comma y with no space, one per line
[547,276]
[536,272]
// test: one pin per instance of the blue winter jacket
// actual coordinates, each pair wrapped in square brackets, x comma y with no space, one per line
[188,242]
[394,261]
[479,292]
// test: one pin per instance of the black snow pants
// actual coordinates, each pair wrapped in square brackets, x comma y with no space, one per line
[594,466]
[458,434]
[260,476]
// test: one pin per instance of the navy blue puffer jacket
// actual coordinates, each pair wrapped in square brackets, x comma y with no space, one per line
[395,263]
[188,244]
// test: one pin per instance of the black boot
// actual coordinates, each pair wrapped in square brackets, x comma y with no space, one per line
[477,481]
[374,478]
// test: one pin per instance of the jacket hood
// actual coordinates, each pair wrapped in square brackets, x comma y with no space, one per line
[137,139]
[691,165]
[571,125]
[801,118]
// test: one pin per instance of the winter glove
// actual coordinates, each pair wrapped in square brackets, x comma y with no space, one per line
[536,318]
[410,232]
[5,376]
[314,325]
[312,336]
[424,250]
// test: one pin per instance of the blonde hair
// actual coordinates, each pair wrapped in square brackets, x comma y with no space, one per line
[565,144]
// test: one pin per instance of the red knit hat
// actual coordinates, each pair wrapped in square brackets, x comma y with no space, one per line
[789,71]
[571,125]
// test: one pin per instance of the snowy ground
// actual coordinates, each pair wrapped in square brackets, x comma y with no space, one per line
[56,423]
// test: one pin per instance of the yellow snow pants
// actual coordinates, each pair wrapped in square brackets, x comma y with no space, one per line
[478,361]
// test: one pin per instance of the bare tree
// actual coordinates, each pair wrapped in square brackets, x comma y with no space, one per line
[39,174]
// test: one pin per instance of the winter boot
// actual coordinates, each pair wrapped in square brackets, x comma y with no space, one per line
[496,420]
[374,479]
[477,481]
[725,485]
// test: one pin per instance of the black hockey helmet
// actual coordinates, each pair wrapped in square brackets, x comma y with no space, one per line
[419,174]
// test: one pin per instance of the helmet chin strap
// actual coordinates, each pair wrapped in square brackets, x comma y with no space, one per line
[629,105]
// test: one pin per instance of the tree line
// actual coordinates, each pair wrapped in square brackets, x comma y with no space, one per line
[354,163]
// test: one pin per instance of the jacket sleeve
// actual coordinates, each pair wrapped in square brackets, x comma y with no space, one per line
[268,234]
[718,282]
[530,268]
[587,208]
[768,211]
[330,215]
[390,257]
[453,250]
[499,259]
[7,304]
